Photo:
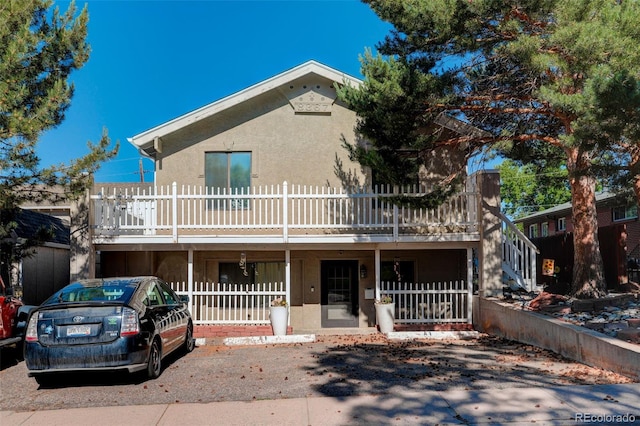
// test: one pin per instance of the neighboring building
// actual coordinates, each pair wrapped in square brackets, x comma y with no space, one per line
[38,276]
[254,197]
[619,236]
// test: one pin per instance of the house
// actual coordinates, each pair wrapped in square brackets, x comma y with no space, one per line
[619,236]
[254,197]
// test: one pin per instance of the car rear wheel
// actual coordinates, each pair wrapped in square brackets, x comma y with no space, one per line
[154,366]
[44,380]
[189,343]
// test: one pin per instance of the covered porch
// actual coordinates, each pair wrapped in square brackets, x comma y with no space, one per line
[329,252]
[332,287]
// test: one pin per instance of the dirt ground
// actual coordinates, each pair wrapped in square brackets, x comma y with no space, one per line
[337,366]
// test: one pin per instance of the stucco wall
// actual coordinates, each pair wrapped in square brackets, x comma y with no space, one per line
[299,148]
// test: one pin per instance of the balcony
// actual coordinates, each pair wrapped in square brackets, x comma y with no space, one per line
[135,214]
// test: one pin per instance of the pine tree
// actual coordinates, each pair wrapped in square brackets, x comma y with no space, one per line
[39,48]
[537,77]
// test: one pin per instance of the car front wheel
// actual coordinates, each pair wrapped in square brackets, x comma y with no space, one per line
[154,367]
[189,343]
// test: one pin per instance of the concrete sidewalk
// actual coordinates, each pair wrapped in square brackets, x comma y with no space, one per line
[560,405]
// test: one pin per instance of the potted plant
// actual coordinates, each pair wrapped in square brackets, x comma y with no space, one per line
[385,314]
[279,316]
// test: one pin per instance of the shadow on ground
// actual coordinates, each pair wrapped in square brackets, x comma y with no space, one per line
[434,372]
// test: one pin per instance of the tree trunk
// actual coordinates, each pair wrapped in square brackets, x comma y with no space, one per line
[588,268]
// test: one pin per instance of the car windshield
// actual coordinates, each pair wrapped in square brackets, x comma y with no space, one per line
[103,292]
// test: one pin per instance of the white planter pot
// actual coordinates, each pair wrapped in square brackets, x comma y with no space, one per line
[385,316]
[279,316]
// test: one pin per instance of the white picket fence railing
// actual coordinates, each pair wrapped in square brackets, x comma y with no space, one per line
[429,303]
[225,304]
[248,304]
[275,210]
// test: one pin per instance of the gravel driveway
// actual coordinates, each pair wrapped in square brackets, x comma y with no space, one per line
[333,366]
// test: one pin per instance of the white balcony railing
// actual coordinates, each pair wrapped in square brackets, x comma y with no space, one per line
[280,210]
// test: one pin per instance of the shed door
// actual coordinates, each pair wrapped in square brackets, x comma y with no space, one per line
[339,282]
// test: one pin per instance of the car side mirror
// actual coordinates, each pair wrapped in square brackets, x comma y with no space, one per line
[184,298]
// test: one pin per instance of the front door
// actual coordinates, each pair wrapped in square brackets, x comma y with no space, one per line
[339,283]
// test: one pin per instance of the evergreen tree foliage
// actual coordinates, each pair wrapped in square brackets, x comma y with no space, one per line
[39,48]
[546,81]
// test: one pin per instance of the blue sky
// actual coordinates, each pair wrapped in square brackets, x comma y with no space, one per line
[153,61]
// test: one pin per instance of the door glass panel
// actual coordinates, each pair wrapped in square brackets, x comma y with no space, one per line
[338,285]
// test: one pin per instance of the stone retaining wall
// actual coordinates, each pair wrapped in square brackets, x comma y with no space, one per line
[569,340]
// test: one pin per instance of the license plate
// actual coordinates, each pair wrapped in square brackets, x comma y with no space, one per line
[78,330]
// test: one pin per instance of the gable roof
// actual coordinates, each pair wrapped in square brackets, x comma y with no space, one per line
[565,208]
[30,222]
[147,141]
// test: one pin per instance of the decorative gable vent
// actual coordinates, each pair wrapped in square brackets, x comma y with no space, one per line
[311,98]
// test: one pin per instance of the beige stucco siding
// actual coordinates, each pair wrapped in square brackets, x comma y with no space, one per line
[299,148]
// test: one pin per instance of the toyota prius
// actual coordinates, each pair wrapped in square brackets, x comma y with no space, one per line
[128,324]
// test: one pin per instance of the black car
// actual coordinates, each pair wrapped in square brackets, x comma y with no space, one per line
[107,324]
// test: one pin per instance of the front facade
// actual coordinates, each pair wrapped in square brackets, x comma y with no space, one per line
[255,198]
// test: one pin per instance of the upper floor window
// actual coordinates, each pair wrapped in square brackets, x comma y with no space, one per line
[544,229]
[562,224]
[533,231]
[227,172]
[623,213]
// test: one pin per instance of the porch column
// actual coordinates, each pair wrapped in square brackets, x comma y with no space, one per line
[469,284]
[490,249]
[287,281]
[377,267]
[190,278]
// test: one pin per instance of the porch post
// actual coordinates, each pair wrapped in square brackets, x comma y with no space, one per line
[190,279]
[285,212]
[469,285]
[287,282]
[174,210]
[377,267]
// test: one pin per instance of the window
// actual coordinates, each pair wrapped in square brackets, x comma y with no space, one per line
[252,272]
[227,172]
[153,296]
[562,224]
[397,271]
[533,231]
[169,295]
[544,229]
[624,213]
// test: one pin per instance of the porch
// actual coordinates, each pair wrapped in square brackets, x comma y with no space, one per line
[200,240]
